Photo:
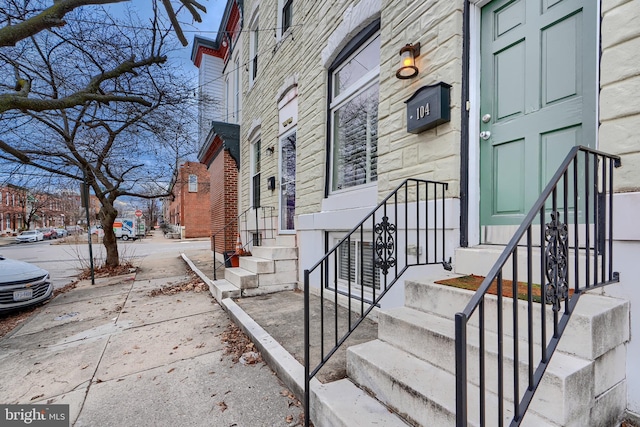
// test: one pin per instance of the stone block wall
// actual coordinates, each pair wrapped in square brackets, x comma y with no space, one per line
[304,54]
[620,89]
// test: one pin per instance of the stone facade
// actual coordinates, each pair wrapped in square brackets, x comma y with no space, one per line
[299,59]
[619,112]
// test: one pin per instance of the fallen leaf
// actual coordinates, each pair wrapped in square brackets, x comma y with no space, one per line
[37,397]
[171,370]
[289,418]
[223,406]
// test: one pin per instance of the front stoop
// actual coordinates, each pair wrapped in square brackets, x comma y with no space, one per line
[269,269]
[410,368]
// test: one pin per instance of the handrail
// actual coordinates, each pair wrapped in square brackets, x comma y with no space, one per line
[368,257]
[582,223]
[248,240]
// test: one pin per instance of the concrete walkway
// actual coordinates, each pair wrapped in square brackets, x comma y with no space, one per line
[274,322]
[121,354]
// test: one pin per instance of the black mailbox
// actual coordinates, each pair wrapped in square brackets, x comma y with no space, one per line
[428,107]
[271,183]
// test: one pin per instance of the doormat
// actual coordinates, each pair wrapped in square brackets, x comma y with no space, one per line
[473,282]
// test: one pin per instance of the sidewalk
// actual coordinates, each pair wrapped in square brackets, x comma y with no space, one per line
[123,353]
[274,322]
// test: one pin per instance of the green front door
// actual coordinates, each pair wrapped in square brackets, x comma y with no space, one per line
[537,88]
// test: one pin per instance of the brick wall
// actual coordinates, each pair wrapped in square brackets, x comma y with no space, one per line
[192,209]
[224,201]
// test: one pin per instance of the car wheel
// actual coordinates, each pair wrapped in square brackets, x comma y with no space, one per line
[125,237]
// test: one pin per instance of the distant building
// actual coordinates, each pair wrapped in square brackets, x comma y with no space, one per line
[190,205]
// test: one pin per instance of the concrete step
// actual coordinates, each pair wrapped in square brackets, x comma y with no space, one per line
[567,388]
[221,289]
[257,265]
[480,259]
[593,313]
[275,252]
[421,393]
[241,278]
[281,240]
[342,404]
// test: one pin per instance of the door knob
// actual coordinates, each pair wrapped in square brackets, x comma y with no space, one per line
[485,134]
[486,118]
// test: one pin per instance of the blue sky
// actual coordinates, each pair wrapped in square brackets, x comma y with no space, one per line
[208,28]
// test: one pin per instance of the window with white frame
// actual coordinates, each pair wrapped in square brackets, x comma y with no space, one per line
[356,265]
[354,93]
[226,99]
[287,15]
[236,106]
[253,54]
[193,183]
[255,173]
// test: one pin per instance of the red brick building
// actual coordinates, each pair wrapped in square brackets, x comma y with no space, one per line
[220,154]
[190,206]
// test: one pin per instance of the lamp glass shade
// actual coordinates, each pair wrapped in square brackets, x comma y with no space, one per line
[408,67]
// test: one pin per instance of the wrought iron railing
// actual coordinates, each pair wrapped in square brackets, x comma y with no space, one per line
[572,223]
[253,225]
[364,265]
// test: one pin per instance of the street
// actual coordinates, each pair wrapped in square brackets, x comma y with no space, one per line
[64,261]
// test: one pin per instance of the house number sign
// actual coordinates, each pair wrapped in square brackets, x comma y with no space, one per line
[428,107]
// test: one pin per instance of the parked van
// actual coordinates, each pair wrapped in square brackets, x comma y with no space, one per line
[125,228]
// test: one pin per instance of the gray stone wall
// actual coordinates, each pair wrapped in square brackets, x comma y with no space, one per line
[620,89]
[305,52]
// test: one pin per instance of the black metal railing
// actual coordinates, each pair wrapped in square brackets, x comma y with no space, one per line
[364,265]
[570,228]
[253,225]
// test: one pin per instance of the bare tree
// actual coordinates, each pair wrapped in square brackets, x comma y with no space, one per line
[22,20]
[117,148]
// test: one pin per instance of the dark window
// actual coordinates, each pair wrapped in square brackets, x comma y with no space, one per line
[287,11]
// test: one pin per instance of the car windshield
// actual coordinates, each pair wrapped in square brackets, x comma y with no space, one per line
[28,232]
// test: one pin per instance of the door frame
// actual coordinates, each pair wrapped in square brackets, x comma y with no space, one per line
[475,7]
[280,213]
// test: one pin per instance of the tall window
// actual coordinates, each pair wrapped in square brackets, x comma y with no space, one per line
[255,172]
[287,15]
[354,93]
[253,53]
[226,99]
[193,183]
[237,91]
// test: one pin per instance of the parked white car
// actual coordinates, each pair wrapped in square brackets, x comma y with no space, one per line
[22,284]
[30,236]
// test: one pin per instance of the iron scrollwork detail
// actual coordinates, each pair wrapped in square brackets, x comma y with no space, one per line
[556,261]
[385,245]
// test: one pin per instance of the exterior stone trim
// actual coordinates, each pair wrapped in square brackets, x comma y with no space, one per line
[354,19]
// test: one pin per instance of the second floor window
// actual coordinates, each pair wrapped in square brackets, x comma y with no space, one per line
[193,183]
[287,15]
[253,48]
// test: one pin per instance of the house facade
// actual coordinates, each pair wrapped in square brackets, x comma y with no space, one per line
[190,206]
[328,129]
[219,78]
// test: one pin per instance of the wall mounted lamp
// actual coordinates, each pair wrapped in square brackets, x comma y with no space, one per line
[270,150]
[408,54]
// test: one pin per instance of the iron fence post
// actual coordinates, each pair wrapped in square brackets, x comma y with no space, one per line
[461,370]
[307,392]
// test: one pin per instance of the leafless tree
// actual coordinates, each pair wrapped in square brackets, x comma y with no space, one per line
[117,145]
[22,20]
